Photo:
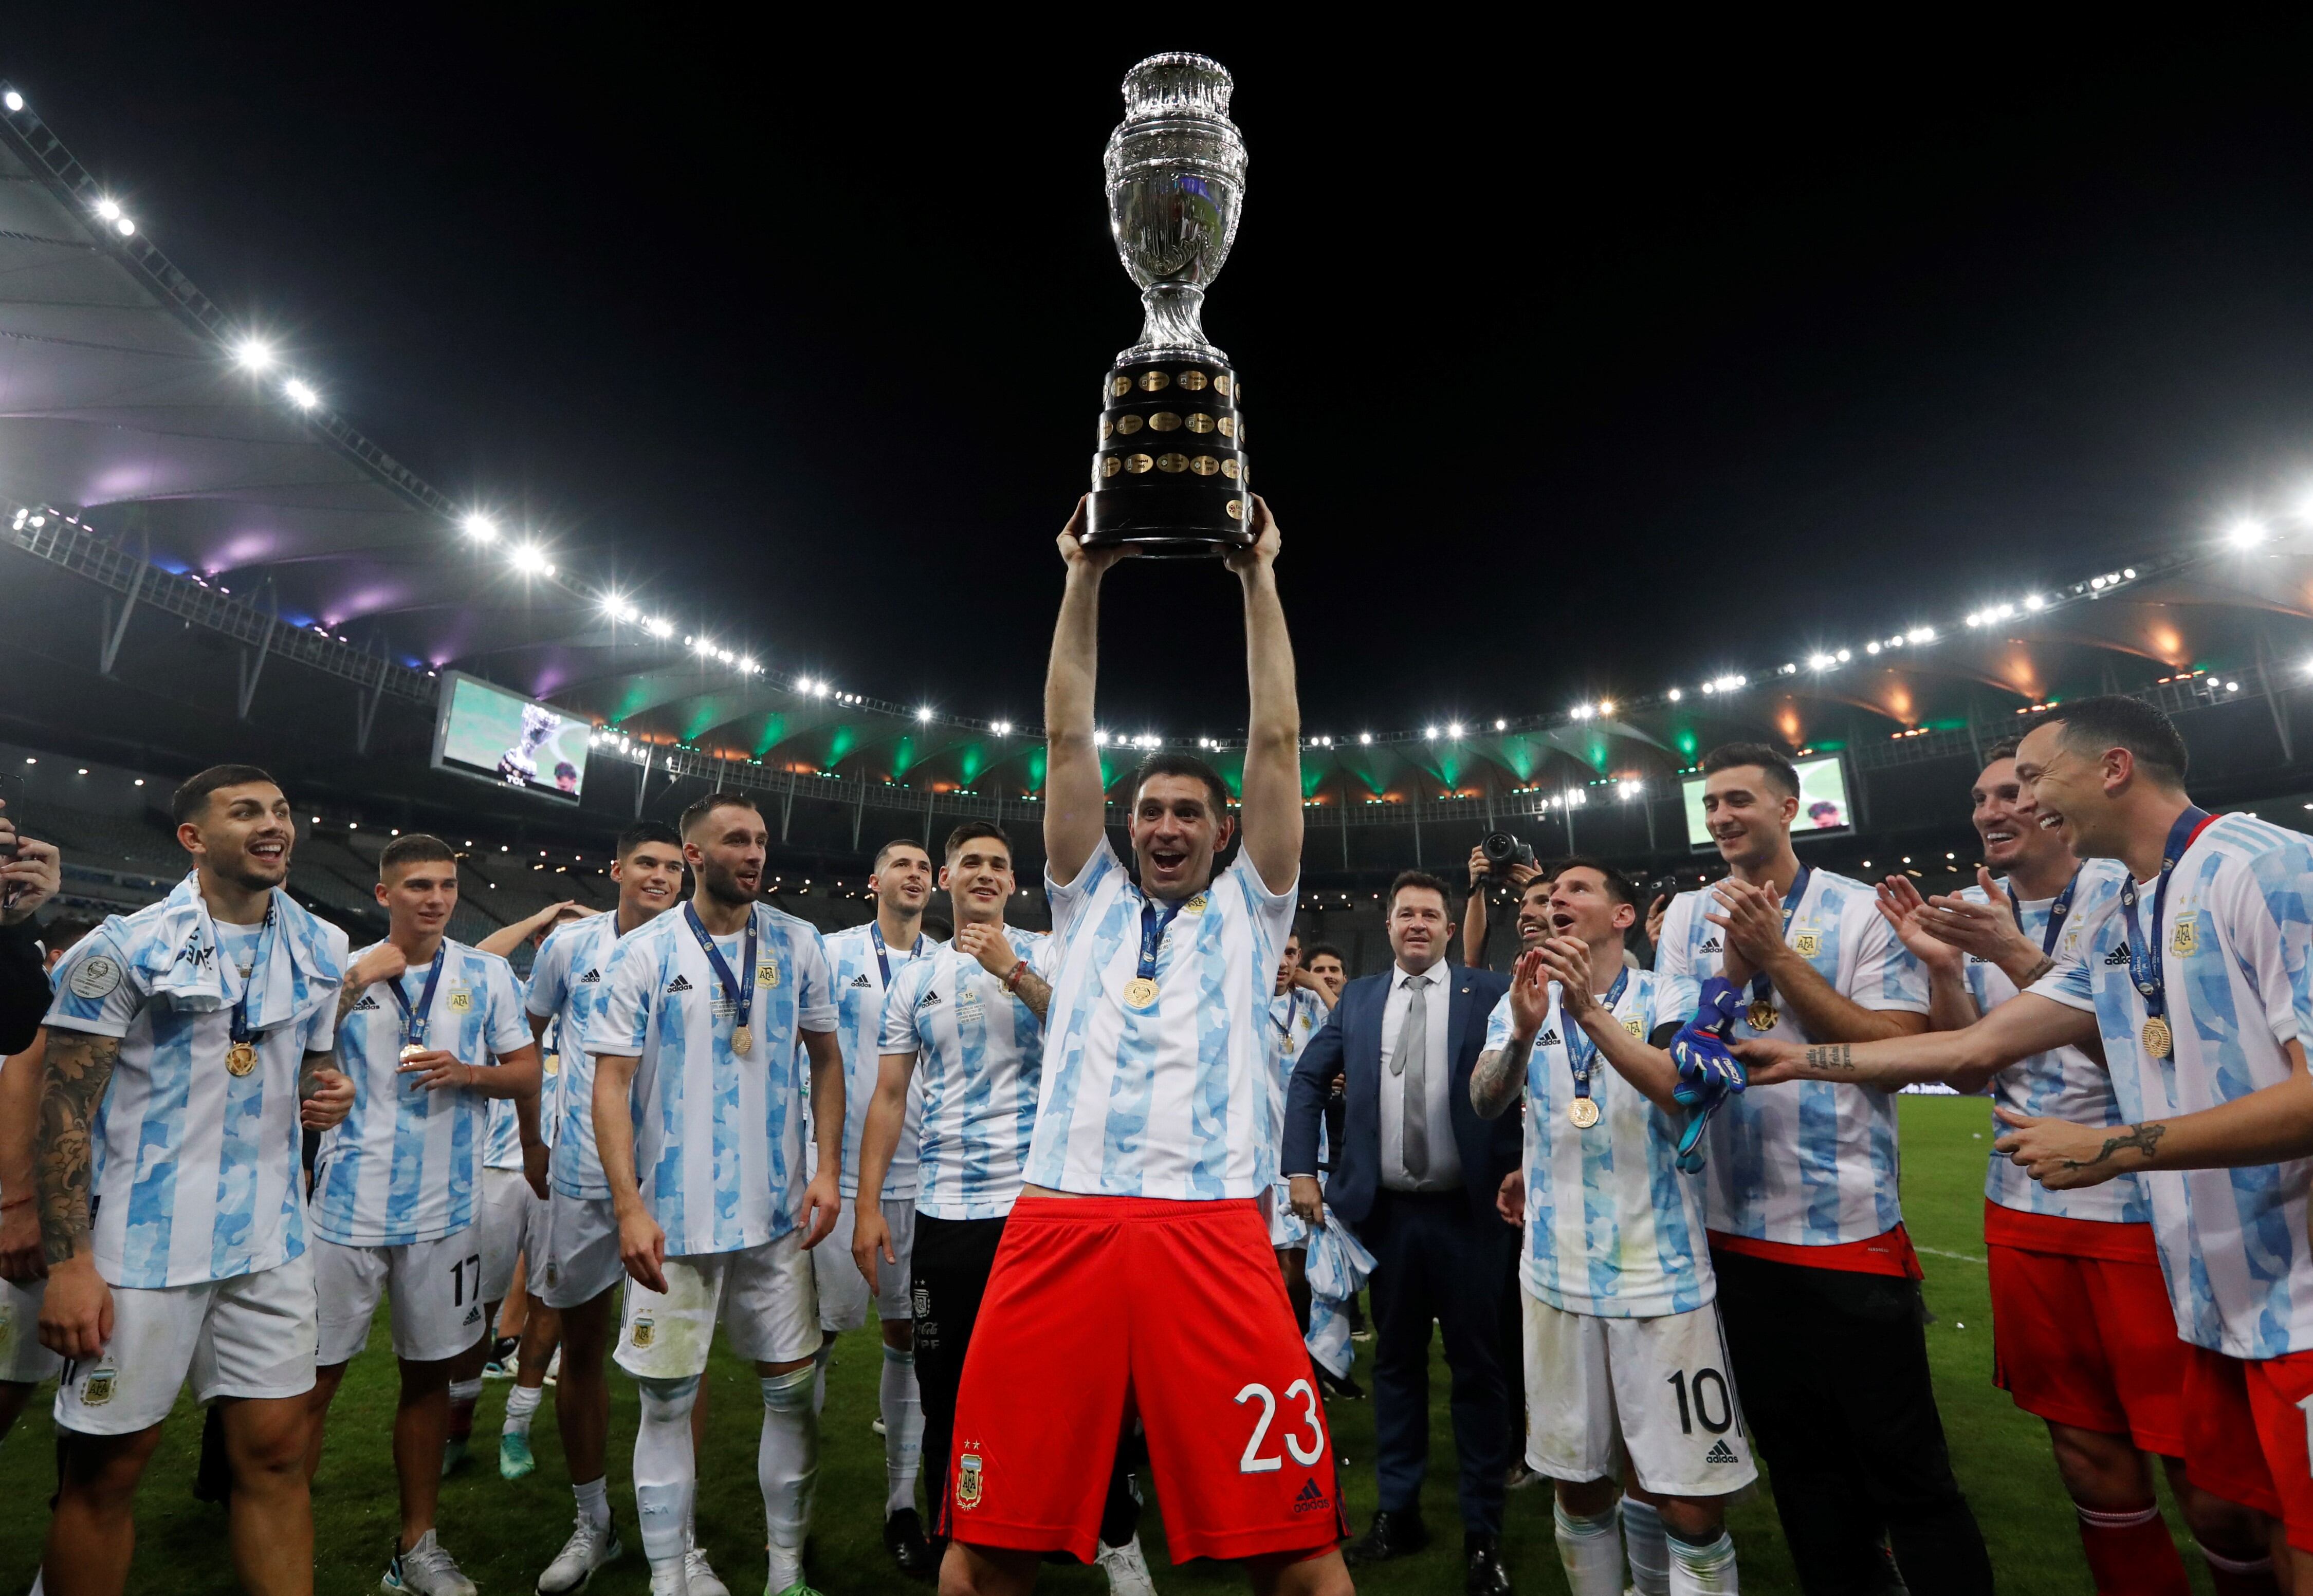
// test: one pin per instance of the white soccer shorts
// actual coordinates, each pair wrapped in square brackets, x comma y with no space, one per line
[435,1289]
[765,1296]
[1660,1386]
[251,1336]
[578,1238]
[503,1224]
[23,1361]
[843,1289]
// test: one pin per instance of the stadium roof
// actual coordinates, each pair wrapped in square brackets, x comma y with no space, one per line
[196,529]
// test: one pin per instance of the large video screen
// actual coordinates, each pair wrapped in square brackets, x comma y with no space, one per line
[1822,804]
[487,732]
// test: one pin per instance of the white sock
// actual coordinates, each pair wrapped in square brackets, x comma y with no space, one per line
[465,1393]
[1643,1540]
[1590,1551]
[522,1403]
[818,1363]
[1707,1570]
[786,1468]
[903,1429]
[665,1472]
[594,1502]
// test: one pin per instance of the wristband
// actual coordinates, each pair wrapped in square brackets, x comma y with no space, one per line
[1012,981]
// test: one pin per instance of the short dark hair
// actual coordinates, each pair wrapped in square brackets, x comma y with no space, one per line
[1316,950]
[971,830]
[2112,721]
[2005,749]
[415,847]
[708,805]
[191,800]
[1165,763]
[1618,885]
[1729,755]
[1416,879]
[885,852]
[644,831]
[62,932]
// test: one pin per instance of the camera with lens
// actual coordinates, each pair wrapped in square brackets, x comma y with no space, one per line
[1501,851]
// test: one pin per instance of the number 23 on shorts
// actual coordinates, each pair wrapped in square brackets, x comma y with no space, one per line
[1304,1454]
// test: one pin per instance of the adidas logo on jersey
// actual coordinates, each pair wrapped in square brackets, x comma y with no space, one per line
[1311,1499]
[2118,957]
[474,1314]
[1548,1038]
[861,979]
[368,1004]
[591,977]
[1710,944]
[680,984]
[1720,1453]
[928,999]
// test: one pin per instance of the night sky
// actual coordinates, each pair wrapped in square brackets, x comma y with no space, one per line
[1578,364]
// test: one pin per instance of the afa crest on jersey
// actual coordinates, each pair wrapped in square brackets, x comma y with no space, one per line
[1637,1026]
[1807,943]
[2186,942]
[461,1000]
[768,972]
[968,1470]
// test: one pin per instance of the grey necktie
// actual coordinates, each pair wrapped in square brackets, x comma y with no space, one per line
[1411,1060]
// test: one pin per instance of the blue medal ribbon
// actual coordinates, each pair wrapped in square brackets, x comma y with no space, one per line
[2144,952]
[2057,912]
[1153,926]
[1581,1052]
[883,956]
[239,1022]
[1761,989]
[739,988]
[414,1020]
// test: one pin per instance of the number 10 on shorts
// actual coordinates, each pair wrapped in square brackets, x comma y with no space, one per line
[1304,1454]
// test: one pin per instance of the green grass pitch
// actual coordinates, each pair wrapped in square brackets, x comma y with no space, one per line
[504,1533]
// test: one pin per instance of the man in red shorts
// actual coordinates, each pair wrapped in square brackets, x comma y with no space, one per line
[2082,1335]
[1153,1115]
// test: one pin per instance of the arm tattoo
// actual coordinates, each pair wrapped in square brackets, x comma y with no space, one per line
[1837,1055]
[2037,971]
[1035,992]
[78,1066]
[348,995]
[1499,1077]
[312,1063]
[2144,1138]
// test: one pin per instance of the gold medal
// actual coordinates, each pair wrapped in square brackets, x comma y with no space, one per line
[410,1051]
[2157,1040]
[1140,993]
[1584,1112]
[742,1041]
[240,1059]
[1763,1014]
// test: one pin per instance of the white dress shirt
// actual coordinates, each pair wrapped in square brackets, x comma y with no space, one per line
[1445,1172]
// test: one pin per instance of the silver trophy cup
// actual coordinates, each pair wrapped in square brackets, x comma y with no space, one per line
[1170,475]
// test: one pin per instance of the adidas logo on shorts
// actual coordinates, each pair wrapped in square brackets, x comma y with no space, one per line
[861,979]
[1311,1499]
[680,984]
[1720,1453]
[2118,957]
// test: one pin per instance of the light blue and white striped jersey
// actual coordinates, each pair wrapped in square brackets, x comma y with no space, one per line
[1612,1228]
[718,1138]
[980,1050]
[2062,1084]
[406,1164]
[858,986]
[196,1171]
[1295,1019]
[1805,1164]
[1176,1101]
[2238,974]
[567,981]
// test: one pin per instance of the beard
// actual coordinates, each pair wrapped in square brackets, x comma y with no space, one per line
[723,885]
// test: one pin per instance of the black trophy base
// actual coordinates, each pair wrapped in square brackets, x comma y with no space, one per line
[1171,480]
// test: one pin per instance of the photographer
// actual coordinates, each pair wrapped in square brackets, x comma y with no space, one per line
[1499,868]
[30,875]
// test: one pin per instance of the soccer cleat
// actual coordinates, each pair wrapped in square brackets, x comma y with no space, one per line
[454,1455]
[700,1575]
[515,1458]
[876,1425]
[669,1581]
[425,1569]
[903,1538]
[1127,1569]
[587,1549]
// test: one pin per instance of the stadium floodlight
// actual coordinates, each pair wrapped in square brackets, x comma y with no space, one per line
[1871,648]
[480,528]
[1628,790]
[300,395]
[1454,729]
[1364,739]
[924,711]
[1819,662]
[1501,725]
[530,560]
[1430,732]
[124,226]
[2247,532]
[1004,728]
[658,626]
[1674,695]
[252,355]
[1099,738]
[1920,635]
[1605,707]
[108,208]
[1583,712]
[1842,656]
[2035,602]
[13,101]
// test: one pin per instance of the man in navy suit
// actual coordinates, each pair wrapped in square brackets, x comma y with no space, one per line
[1414,1175]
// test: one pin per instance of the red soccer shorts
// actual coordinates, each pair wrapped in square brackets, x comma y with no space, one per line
[2245,1435]
[2090,1342]
[1099,1305]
